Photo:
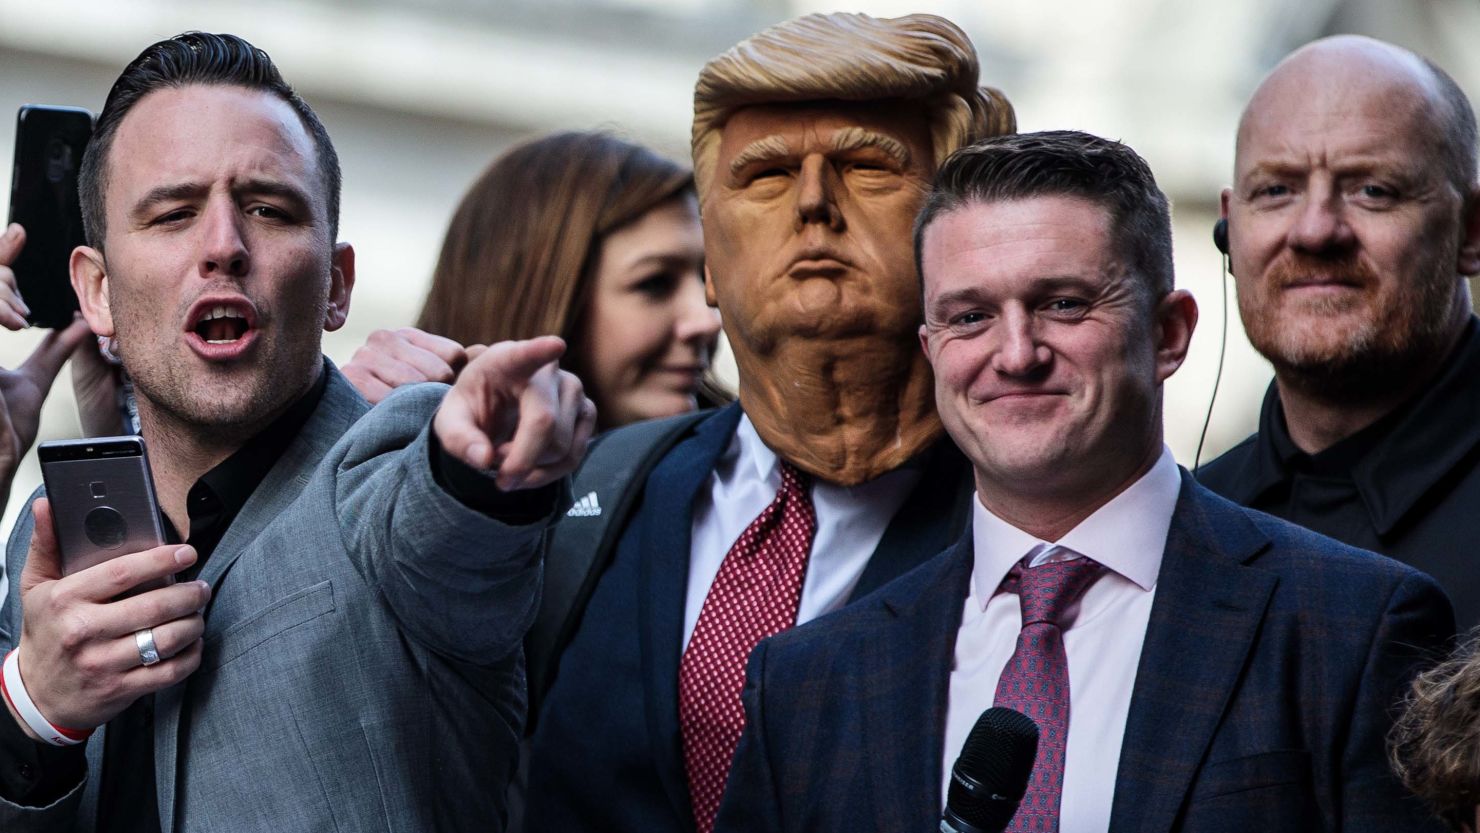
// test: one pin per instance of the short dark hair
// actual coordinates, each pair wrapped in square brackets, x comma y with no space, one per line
[1064,163]
[1435,744]
[194,58]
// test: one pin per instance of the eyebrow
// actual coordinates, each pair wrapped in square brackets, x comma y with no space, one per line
[167,193]
[1353,165]
[663,260]
[194,190]
[858,138]
[1042,286]
[771,147]
[968,295]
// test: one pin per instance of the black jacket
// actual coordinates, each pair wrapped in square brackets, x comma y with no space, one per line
[1407,486]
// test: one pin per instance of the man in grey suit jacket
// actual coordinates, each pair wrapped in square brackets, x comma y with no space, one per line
[341,648]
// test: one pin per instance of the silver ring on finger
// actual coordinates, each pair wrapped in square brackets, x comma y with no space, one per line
[148,652]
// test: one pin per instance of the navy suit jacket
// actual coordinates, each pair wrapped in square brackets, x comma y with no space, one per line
[1261,702]
[606,754]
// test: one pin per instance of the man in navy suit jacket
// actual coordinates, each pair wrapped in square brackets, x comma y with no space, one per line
[1225,670]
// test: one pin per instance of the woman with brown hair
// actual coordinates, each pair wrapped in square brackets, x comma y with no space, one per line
[583,235]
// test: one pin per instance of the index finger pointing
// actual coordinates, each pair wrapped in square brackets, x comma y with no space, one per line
[517,361]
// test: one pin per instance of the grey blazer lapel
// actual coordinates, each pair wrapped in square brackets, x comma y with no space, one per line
[905,675]
[1208,609]
[337,411]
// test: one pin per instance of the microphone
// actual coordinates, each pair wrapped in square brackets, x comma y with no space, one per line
[991,775]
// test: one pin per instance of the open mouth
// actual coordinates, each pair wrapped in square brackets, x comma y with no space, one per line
[220,325]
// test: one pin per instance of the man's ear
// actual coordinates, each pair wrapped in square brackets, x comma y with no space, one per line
[924,342]
[1469,246]
[1176,318]
[710,297]
[90,281]
[341,284]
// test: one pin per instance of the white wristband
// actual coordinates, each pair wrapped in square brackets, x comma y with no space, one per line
[15,694]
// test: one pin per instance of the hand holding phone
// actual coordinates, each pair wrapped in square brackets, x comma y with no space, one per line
[78,654]
[13,311]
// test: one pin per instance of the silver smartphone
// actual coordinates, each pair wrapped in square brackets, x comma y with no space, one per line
[102,500]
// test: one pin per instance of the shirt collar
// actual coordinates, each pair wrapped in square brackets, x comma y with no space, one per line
[753,451]
[215,499]
[1128,534]
[1394,462]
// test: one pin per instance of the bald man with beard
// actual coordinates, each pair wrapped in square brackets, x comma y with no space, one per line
[1353,221]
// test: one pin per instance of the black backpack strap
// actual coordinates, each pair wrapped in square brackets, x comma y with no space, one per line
[605,488]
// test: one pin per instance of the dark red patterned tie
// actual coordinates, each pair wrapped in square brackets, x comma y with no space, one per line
[754,595]
[1035,680]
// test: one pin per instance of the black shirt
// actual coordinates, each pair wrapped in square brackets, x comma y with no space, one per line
[36,774]
[1407,486]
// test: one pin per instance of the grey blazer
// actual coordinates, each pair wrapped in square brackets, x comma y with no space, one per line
[362,666]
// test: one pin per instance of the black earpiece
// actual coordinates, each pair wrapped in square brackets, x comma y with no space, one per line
[1220,239]
[1220,235]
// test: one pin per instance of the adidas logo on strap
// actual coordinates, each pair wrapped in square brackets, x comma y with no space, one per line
[586,507]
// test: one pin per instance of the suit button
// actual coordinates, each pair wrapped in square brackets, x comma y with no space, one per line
[28,772]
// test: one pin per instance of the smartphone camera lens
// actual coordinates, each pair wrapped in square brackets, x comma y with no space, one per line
[105,527]
[98,489]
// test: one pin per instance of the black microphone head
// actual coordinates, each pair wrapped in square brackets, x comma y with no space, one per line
[991,775]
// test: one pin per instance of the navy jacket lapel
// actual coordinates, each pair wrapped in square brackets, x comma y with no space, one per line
[665,522]
[932,517]
[1207,612]
[905,673]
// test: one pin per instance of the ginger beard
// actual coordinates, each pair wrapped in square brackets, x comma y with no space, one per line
[1366,337]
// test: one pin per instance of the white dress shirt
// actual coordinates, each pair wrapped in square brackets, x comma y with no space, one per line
[1103,633]
[850,523]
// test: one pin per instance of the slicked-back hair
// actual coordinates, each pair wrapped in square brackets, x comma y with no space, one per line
[185,59]
[1064,163]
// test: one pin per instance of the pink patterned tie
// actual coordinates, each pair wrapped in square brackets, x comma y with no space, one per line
[1035,680]
[754,595]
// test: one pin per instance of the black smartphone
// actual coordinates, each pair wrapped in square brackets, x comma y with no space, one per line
[49,143]
[102,500]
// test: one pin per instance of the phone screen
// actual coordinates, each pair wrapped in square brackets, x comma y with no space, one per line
[49,145]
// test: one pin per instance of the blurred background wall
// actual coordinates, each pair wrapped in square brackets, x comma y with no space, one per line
[420,94]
